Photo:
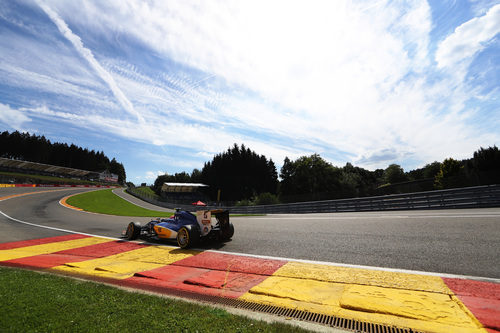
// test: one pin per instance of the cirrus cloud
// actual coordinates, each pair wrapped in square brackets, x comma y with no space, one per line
[365,82]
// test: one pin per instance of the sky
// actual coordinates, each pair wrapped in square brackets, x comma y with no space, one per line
[163,86]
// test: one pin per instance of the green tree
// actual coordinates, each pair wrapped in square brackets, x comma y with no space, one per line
[358,182]
[309,178]
[486,166]
[267,198]
[239,173]
[196,176]
[450,174]
[394,174]
[118,169]
[428,171]
[33,148]
[432,169]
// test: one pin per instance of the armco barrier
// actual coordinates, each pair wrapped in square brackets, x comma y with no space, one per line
[468,197]
[56,185]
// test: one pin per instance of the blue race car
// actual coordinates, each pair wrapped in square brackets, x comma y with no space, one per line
[186,228]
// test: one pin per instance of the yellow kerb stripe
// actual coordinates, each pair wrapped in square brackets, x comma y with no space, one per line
[404,300]
[126,264]
[35,250]
[362,276]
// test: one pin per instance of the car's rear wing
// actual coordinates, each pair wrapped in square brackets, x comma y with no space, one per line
[221,215]
[204,216]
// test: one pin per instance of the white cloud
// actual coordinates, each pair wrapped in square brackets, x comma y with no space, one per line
[50,68]
[87,54]
[468,39]
[324,86]
[286,78]
[414,28]
[301,55]
[151,175]
[12,118]
[333,73]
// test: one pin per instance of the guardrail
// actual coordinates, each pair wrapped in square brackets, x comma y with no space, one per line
[468,197]
[57,185]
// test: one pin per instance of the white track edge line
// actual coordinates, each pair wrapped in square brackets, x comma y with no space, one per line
[393,270]
[374,268]
[56,229]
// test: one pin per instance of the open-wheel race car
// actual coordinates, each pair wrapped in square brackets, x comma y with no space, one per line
[186,228]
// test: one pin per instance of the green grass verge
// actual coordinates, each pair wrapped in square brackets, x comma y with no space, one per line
[106,202]
[36,302]
[147,191]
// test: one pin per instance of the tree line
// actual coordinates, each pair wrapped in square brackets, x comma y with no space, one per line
[246,177]
[239,173]
[34,148]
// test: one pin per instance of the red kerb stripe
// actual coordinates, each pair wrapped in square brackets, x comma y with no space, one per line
[14,245]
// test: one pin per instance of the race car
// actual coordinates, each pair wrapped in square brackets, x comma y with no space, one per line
[186,228]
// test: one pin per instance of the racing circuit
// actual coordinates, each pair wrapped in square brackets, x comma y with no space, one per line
[450,243]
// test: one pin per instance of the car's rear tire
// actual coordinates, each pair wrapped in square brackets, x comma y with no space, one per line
[227,232]
[133,230]
[188,236]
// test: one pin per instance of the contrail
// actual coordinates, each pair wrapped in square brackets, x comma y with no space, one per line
[87,54]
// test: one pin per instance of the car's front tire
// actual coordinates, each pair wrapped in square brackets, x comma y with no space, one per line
[188,236]
[133,230]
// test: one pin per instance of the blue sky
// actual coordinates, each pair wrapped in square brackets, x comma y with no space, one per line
[163,86]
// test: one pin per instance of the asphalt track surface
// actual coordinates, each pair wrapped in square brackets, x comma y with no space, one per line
[462,242]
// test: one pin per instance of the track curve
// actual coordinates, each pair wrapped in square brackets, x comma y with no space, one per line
[464,242]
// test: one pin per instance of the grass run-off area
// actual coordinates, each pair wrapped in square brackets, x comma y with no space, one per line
[106,202]
[40,302]
[146,191]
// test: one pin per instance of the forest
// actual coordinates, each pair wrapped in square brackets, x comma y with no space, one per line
[239,173]
[34,148]
[245,177]
[241,176]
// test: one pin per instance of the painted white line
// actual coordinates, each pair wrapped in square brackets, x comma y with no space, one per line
[393,270]
[340,217]
[83,233]
[53,228]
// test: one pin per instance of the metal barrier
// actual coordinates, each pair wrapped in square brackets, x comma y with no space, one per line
[467,197]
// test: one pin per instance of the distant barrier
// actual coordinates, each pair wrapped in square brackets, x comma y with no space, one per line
[55,185]
[468,197]
[17,185]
